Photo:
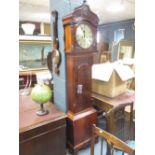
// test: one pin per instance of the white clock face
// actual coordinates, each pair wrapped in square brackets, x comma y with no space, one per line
[84,36]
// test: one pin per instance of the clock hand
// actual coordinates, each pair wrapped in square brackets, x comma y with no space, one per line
[84,31]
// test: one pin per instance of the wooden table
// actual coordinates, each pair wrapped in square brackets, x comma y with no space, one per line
[41,135]
[106,103]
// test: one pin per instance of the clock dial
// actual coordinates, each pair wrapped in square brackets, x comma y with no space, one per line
[84,36]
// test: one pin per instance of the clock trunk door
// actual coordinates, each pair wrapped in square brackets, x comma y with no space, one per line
[79,86]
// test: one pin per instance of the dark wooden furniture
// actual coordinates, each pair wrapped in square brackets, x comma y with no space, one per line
[117,122]
[106,103]
[118,113]
[105,56]
[79,49]
[114,142]
[24,77]
[102,48]
[41,135]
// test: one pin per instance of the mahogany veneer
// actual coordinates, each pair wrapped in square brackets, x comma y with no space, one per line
[41,135]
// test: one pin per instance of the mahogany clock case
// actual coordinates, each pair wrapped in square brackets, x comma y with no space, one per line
[79,60]
[79,73]
[81,15]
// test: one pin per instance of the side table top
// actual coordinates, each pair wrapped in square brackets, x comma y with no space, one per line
[128,96]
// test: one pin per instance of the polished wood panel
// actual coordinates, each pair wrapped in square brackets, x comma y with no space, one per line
[79,73]
[68,38]
[106,103]
[79,126]
[41,135]
[81,114]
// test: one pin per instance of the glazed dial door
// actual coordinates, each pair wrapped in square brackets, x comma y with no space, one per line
[84,35]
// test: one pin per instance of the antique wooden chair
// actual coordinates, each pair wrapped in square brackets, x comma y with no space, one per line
[115,144]
[119,122]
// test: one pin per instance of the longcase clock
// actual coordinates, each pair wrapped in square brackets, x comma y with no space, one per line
[80,28]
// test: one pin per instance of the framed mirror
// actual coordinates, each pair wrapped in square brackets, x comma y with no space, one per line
[126,49]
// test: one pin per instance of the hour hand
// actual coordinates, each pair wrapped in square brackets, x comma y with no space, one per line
[84,33]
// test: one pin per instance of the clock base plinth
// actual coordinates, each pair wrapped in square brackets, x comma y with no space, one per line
[79,129]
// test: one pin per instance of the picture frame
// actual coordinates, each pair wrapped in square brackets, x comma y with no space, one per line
[126,49]
[33,52]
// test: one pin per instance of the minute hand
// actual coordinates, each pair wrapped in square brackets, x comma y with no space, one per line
[84,33]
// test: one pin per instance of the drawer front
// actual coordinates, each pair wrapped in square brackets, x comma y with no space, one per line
[41,129]
[47,140]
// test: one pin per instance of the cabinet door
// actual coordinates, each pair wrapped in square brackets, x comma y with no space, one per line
[79,82]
